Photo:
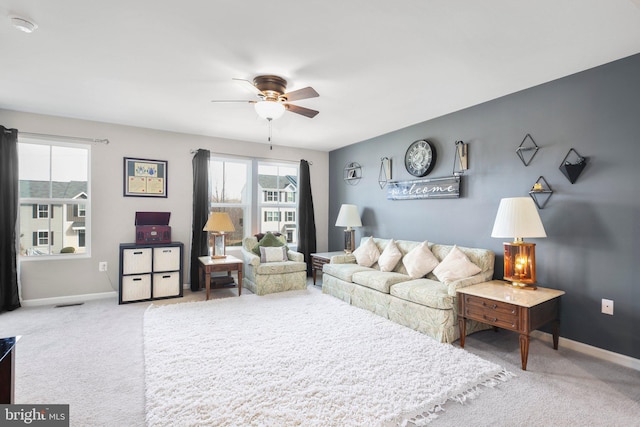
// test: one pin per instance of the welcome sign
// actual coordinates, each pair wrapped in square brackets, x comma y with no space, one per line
[429,188]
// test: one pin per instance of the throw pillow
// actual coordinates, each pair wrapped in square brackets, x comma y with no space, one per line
[259,236]
[273,254]
[367,253]
[269,240]
[455,266]
[389,257]
[420,261]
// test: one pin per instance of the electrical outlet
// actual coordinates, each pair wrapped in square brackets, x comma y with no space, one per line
[102,266]
[607,306]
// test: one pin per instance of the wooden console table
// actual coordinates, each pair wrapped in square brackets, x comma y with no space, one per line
[209,265]
[319,259]
[501,305]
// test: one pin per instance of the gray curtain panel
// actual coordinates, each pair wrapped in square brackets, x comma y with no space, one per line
[9,299]
[199,244]
[306,220]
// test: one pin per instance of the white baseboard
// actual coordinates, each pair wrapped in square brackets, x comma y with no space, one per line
[609,356]
[71,299]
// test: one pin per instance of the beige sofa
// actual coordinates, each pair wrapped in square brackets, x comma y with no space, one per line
[424,304]
[263,278]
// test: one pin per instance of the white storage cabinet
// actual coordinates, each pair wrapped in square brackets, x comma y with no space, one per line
[149,272]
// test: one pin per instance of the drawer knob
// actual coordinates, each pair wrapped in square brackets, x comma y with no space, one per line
[494,319]
[493,306]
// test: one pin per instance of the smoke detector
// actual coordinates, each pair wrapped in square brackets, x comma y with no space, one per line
[23,24]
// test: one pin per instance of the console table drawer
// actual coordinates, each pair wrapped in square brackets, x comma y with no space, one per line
[319,262]
[494,313]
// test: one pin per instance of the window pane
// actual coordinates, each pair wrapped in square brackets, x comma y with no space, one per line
[234,238]
[228,182]
[53,171]
[34,169]
[277,186]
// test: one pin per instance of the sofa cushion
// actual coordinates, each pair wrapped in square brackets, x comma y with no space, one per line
[367,253]
[273,254]
[344,271]
[389,257]
[424,292]
[280,267]
[379,280]
[420,261]
[455,266]
[269,240]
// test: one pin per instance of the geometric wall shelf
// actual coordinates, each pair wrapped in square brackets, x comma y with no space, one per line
[541,192]
[527,150]
[352,173]
[573,165]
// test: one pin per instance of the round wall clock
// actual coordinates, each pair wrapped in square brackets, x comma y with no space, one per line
[420,158]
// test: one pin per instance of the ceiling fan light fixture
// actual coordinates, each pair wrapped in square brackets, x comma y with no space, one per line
[23,24]
[269,109]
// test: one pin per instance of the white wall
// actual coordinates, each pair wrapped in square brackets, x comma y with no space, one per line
[112,214]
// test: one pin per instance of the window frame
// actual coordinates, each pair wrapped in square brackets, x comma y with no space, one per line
[54,202]
[253,216]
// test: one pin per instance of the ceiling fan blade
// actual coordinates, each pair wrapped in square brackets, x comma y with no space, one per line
[304,93]
[250,86]
[307,112]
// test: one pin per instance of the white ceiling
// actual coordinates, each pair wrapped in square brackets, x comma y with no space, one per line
[378,65]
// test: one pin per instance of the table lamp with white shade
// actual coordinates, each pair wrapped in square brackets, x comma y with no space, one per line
[349,217]
[518,218]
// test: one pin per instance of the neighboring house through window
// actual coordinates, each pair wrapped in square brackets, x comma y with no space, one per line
[54,198]
[266,203]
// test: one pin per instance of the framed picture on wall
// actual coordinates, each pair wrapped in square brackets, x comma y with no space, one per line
[145,178]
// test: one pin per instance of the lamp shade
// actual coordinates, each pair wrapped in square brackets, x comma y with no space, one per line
[348,217]
[219,221]
[269,109]
[517,218]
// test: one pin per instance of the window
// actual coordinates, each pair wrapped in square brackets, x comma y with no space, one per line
[264,203]
[54,198]
[43,211]
[230,183]
[270,216]
[271,196]
[41,238]
[279,184]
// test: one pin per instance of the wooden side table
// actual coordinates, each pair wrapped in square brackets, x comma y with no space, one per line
[210,265]
[320,259]
[501,305]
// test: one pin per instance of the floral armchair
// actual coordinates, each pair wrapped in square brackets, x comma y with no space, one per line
[266,274]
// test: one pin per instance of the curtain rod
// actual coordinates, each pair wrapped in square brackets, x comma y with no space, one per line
[195,150]
[74,138]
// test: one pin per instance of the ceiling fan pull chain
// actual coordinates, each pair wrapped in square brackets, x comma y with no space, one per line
[270,144]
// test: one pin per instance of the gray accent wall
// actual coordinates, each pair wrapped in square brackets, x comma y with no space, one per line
[592,250]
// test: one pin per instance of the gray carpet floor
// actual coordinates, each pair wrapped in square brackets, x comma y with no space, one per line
[91,357]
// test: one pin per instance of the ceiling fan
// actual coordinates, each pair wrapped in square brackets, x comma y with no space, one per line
[273,101]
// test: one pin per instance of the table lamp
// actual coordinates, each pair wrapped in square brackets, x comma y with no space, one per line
[217,225]
[349,217]
[518,218]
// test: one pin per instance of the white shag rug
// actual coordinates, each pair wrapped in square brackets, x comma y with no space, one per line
[298,358]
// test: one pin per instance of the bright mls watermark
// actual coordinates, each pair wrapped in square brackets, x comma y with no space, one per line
[34,415]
